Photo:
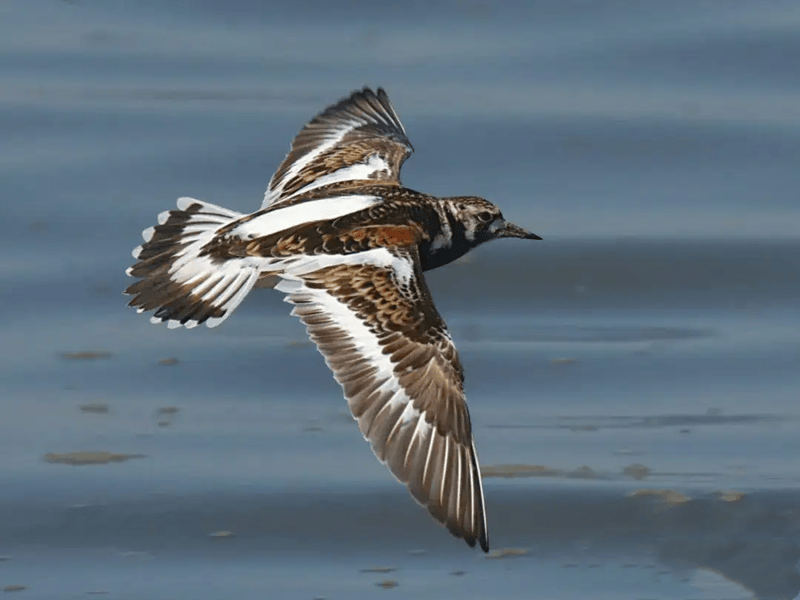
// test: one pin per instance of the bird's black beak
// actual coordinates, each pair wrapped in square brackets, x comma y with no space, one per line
[509,230]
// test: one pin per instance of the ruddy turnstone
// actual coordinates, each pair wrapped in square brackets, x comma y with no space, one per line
[347,244]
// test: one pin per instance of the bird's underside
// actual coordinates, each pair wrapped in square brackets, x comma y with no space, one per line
[347,245]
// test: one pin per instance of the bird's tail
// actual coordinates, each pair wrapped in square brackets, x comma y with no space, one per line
[179,278]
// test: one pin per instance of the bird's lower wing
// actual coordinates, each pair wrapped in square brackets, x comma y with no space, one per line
[372,318]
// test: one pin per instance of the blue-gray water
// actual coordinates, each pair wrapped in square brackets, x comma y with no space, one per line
[654,146]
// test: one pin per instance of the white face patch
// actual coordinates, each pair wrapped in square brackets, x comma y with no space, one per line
[280,219]
[445,238]
[441,241]
[498,223]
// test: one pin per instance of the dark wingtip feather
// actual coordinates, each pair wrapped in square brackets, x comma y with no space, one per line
[484,541]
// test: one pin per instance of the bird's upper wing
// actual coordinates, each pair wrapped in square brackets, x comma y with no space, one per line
[372,317]
[359,138]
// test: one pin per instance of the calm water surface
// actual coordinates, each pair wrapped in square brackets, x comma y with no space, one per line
[638,372]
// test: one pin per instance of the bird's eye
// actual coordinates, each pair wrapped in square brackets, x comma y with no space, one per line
[485,216]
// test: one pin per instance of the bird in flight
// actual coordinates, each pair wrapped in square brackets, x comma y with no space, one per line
[347,244]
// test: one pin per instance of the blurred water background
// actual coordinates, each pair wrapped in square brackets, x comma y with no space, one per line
[633,379]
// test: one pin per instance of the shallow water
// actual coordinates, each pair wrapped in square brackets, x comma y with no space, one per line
[633,379]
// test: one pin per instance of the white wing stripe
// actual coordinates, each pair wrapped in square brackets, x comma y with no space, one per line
[338,135]
[362,337]
[375,164]
[278,219]
[295,267]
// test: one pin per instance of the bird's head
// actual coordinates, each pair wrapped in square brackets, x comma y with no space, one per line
[483,221]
